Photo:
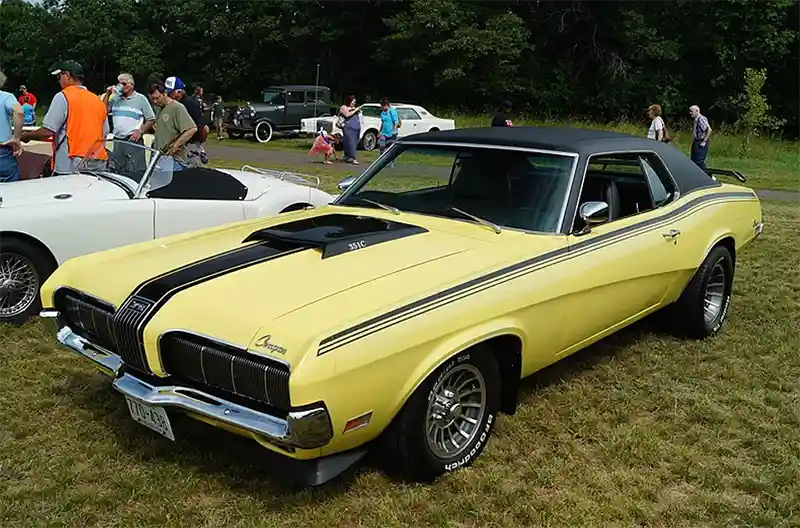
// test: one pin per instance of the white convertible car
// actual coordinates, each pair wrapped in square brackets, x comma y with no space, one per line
[415,120]
[137,197]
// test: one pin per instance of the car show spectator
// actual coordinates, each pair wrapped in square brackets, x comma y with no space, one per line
[658,129]
[174,126]
[76,120]
[390,125]
[10,134]
[701,131]
[350,123]
[198,96]
[25,94]
[218,115]
[132,116]
[502,118]
[29,112]
[195,150]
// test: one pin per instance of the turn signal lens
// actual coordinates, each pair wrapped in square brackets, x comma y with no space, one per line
[357,422]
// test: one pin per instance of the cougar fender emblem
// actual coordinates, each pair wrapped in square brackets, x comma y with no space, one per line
[263,342]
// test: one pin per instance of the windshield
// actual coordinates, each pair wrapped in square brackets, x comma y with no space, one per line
[127,162]
[274,97]
[515,189]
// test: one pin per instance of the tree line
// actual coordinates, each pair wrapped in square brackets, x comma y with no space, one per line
[554,59]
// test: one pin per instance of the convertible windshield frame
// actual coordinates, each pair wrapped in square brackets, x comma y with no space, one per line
[120,179]
[397,148]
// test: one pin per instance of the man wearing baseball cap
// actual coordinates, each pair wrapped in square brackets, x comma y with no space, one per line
[76,120]
[195,152]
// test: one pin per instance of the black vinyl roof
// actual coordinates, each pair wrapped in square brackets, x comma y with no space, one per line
[583,141]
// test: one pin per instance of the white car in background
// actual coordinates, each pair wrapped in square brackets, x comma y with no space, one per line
[46,221]
[414,117]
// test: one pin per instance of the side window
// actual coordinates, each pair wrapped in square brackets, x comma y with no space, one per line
[371,111]
[407,114]
[295,97]
[630,183]
[662,189]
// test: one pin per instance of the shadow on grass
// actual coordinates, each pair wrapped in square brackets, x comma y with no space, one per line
[246,467]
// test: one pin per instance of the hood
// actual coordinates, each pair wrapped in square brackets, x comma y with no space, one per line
[292,278]
[56,189]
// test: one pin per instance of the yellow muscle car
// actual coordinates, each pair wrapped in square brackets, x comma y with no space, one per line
[403,315]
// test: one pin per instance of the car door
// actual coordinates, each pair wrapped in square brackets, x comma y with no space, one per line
[412,122]
[296,109]
[622,268]
[181,205]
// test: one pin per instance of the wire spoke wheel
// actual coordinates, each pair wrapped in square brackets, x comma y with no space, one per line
[19,284]
[456,407]
[715,293]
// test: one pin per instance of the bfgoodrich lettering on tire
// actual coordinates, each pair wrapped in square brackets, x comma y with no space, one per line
[702,308]
[447,422]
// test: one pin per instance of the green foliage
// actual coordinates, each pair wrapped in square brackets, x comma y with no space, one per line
[604,61]
[755,109]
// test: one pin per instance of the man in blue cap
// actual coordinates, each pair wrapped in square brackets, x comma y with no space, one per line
[195,153]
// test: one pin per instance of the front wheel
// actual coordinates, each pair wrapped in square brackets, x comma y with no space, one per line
[23,269]
[701,309]
[448,420]
[263,132]
[370,140]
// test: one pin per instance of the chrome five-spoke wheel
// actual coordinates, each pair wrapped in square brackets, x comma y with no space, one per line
[19,284]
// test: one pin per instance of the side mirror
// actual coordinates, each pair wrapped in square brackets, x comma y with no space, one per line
[345,183]
[593,213]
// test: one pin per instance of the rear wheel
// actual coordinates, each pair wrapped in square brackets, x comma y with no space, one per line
[23,269]
[448,420]
[263,132]
[701,309]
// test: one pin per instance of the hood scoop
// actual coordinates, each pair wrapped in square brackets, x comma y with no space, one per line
[335,234]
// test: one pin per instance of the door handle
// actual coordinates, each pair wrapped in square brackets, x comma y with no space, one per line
[673,233]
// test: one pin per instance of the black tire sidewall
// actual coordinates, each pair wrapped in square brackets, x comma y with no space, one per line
[433,465]
[43,268]
[717,254]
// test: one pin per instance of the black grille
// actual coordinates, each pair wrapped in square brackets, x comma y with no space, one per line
[89,318]
[99,323]
[226,368]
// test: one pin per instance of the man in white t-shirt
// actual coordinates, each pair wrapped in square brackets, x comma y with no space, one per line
[657,130]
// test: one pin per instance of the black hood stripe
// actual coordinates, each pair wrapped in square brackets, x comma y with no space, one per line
[149,297]
[520,269]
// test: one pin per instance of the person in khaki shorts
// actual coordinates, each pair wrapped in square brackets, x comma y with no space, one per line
[217,115]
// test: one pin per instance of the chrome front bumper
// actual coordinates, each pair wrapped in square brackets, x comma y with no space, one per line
[306,428]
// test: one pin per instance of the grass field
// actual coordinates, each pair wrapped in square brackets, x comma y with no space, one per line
[641,429]
[771,163]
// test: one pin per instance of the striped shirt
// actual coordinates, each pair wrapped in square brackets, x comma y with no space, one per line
[130,113]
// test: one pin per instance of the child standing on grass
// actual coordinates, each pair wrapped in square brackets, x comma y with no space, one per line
[324,144]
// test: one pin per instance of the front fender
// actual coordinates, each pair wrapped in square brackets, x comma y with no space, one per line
[383,382]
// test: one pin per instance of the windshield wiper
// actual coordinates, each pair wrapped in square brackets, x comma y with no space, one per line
[389,208]
[478,219]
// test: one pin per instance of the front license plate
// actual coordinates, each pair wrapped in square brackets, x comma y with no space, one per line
[151,416]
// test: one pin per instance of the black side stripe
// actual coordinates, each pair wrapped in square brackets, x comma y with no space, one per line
[517,270]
